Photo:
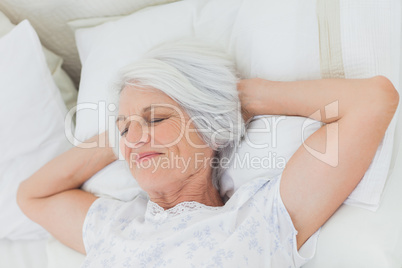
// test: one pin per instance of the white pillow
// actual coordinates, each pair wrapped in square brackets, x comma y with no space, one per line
[66,86]
[32,113]
[221,22]
[270,142]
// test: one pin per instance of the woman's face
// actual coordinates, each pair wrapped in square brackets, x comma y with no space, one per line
[159,141]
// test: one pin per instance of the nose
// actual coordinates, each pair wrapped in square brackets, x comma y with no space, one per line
[138,133]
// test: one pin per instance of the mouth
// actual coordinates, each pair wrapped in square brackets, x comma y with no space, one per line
[146,156]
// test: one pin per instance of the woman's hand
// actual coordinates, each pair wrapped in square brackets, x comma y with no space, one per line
[255,95]
[249,91]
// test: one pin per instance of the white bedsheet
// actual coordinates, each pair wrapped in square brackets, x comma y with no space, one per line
[23,253]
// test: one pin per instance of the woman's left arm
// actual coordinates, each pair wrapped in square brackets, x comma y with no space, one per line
[332,161]
[51,196]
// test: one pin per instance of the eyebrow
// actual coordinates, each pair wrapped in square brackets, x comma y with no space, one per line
[144,110]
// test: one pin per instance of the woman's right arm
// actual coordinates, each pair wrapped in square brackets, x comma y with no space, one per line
[51,197]
[323,172]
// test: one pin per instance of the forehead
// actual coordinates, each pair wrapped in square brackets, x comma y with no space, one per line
[134,99]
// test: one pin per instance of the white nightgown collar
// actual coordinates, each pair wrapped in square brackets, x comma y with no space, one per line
[157,212]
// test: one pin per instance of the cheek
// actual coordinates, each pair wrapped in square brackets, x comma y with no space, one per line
[122,148]
[195,140]
[168,134]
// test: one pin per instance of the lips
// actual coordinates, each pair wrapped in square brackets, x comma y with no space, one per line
[146,155]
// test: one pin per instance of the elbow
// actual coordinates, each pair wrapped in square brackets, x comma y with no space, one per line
[386,97]
[388,94]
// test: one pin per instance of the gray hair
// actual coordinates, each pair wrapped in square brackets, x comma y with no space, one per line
[203,80]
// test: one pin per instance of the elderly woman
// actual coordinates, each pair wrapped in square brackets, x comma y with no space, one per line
[179,117]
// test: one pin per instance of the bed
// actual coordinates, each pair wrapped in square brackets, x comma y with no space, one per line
[309,40]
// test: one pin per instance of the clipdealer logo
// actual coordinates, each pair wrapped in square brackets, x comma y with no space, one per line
[331,154]
[107,117]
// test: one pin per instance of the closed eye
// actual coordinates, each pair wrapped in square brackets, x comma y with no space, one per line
[124,132]
[157,120]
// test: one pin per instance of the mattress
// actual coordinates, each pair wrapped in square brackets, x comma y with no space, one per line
[23,253]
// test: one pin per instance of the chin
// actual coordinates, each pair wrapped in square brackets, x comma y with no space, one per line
[151,180]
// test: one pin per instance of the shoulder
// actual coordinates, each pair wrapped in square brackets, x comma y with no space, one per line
[257,186]
[260,200]
[258,196]
[105,212]
[109,206]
